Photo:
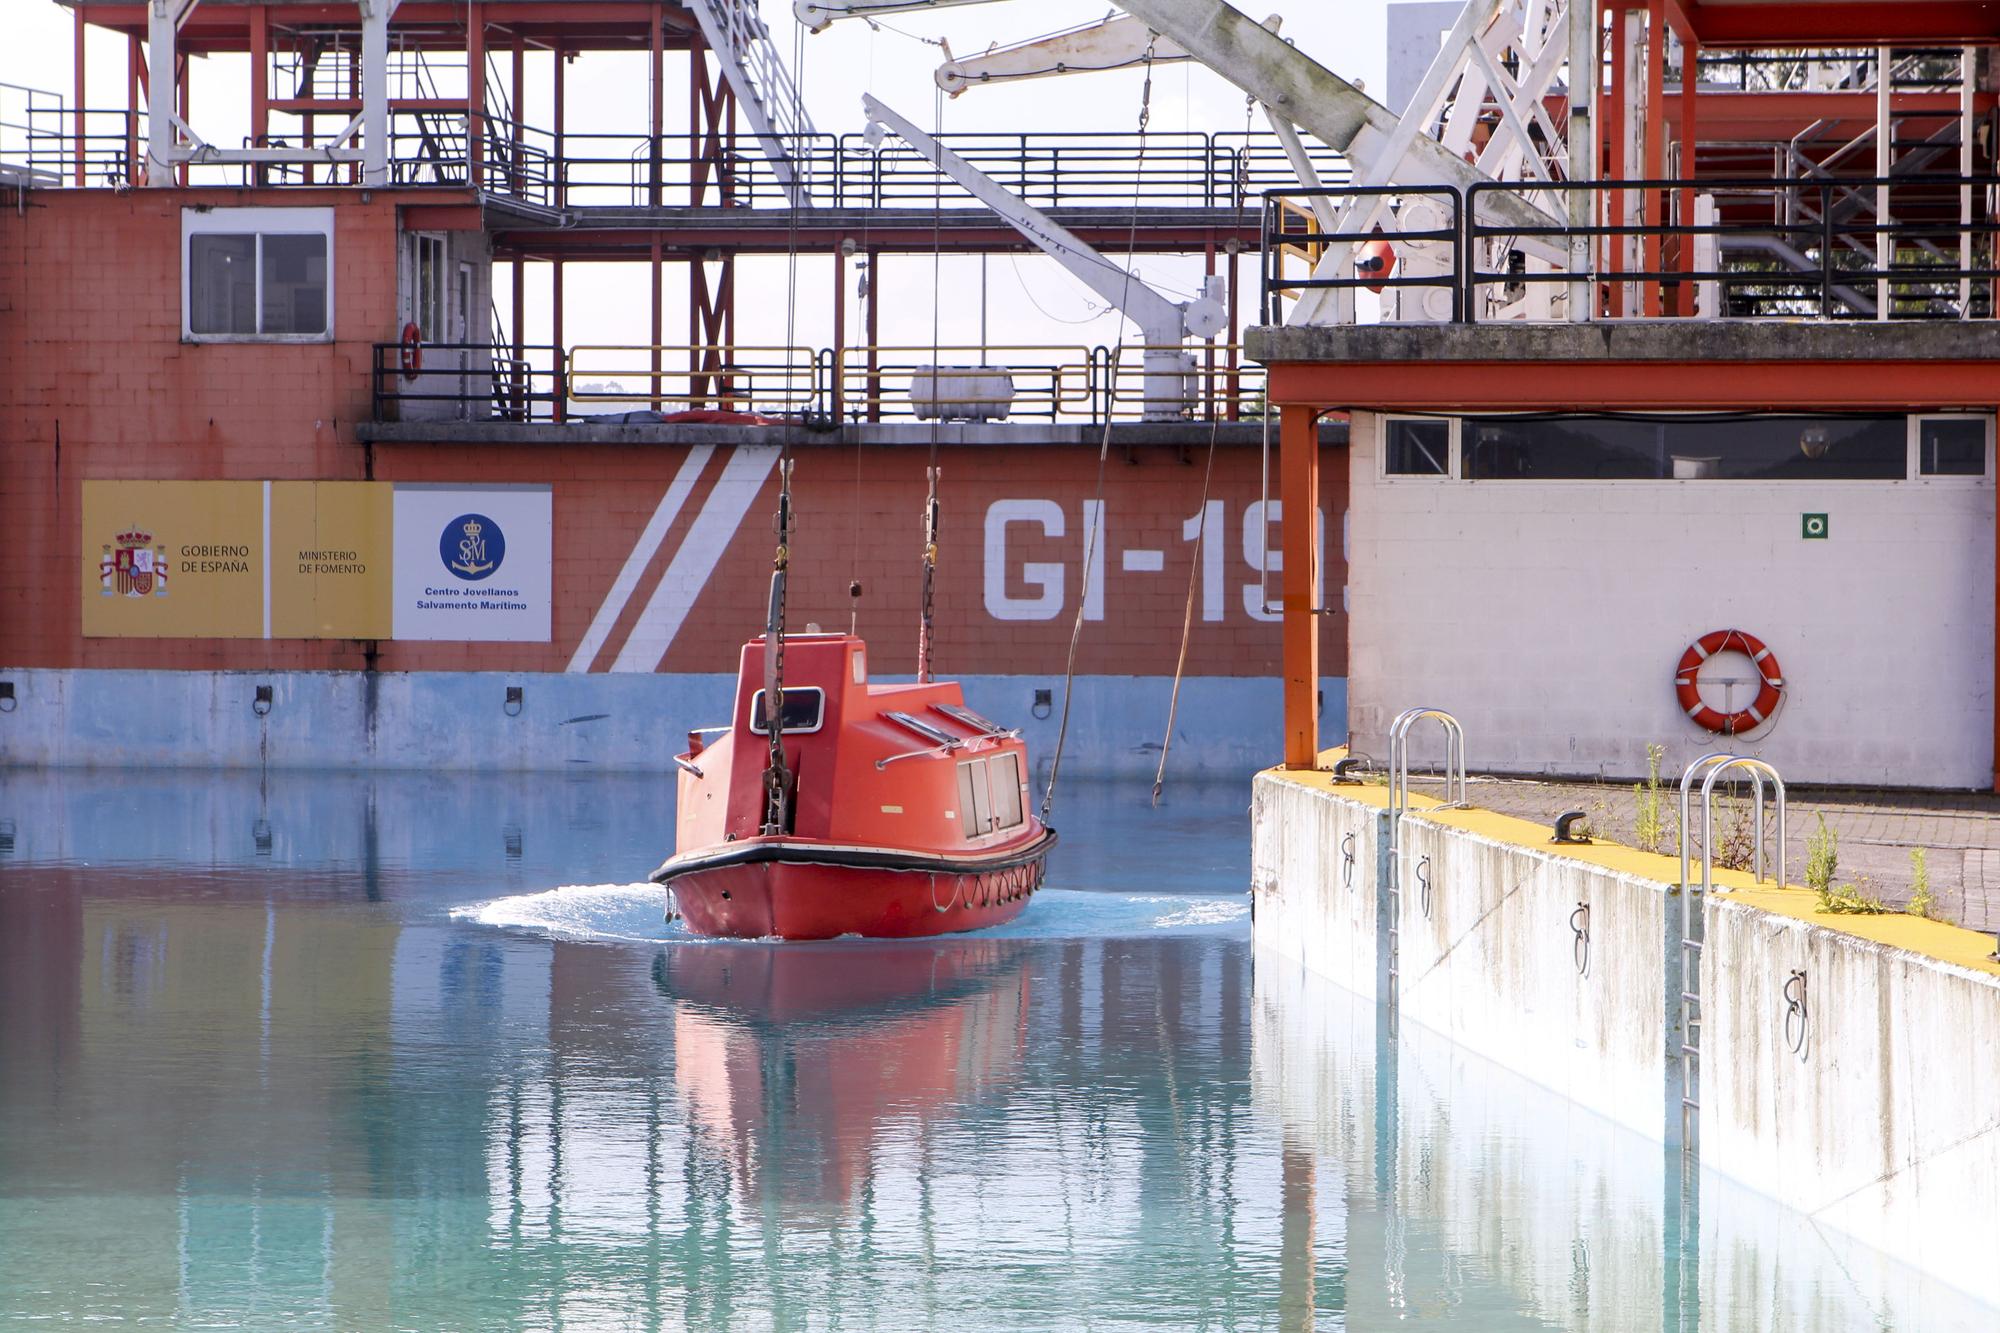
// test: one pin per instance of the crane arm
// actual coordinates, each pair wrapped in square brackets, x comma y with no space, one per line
[1160,321]
[1114,43]
[817,15]
[1319,101]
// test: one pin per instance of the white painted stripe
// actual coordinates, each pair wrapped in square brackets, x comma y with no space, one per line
[1145,562]
[667,610]
[643,551]
[267,559]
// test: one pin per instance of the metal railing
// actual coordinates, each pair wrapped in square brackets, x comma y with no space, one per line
[1292,228]
[1854,70]
[430,145]
[1399,806]
[1904,247]
[466,381]
[770,381]
[1694,928]
[954,382]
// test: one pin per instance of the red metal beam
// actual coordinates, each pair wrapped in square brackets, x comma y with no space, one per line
[1737,386]
[1824,23]
[260,83]
[1729,116]
[434,24]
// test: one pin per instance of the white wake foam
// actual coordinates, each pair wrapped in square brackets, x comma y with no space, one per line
[602,912]
[634,913]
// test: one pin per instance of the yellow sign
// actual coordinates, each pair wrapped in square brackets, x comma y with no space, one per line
[173,559]
[237,559]
[330,556]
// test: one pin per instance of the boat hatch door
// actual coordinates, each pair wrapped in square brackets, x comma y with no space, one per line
[1005,772]
[802,709]
[966,717]
[975,799]
[935,735]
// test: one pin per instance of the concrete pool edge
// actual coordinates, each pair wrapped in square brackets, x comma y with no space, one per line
[1873,1111]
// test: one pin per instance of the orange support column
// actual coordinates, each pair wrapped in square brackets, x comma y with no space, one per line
[260,86]
[1298,492]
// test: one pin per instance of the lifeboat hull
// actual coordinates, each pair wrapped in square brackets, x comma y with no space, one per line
[778,888]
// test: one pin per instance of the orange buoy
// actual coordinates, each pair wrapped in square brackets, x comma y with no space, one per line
[1376,260]
[412,352]
[1687,687]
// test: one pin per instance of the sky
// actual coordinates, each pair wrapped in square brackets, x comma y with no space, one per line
[1020,298]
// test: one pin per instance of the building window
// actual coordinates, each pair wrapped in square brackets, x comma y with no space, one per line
[1951,446]
[429,306]
[257,274]
[1686,448]
[1416,447]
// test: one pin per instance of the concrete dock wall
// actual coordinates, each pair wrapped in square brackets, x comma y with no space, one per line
[630,722]
[1317,882]
[1875,1111]
[1417,1137]
[1491,959]
[1877,1114]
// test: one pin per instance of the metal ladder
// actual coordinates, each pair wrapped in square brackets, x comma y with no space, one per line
[1694,929]
[764,88]
[1399,805]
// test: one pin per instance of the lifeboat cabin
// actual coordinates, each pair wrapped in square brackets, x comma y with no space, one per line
[901,811]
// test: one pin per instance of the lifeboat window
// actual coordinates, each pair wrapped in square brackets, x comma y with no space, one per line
[801,709]
[1005,773]
[966,717]
[975,801]
[922,728]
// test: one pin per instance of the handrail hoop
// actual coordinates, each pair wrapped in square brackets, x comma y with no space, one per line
[1708,818]
[1399,757]
[1714,763]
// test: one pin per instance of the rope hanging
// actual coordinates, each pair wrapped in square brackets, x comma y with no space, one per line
[1103,447]
[1201,525]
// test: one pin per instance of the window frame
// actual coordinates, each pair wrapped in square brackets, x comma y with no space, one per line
[1452,427]
[1916,470]
[754,719]
[258,222]
[1911,465]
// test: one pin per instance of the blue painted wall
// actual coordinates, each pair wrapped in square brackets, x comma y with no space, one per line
[617,723]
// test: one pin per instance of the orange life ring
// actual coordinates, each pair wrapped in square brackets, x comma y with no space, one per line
[412,355]
[1687,688]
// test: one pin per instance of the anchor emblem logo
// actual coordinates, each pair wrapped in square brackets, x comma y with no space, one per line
[472,547]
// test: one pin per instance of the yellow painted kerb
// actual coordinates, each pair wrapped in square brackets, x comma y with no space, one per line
[1933,939]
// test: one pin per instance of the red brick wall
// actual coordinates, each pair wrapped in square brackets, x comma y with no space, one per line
[862,518]
[96,383]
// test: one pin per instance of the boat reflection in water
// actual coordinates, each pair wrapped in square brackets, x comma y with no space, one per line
[792,1061]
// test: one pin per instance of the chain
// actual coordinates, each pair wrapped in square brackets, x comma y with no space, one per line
[925,630]
[775,775]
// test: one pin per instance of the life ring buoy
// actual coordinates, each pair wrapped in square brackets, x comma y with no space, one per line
[1688,690]
[411,356]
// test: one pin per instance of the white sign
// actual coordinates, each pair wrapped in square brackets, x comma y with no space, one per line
[473,562]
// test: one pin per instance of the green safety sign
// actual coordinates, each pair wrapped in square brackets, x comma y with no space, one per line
[1813,527]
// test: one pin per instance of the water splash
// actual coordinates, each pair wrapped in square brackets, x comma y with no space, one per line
[631,913]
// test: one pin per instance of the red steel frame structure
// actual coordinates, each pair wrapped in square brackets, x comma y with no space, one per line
[691,233]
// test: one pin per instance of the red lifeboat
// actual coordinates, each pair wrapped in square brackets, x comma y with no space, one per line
[906,813]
